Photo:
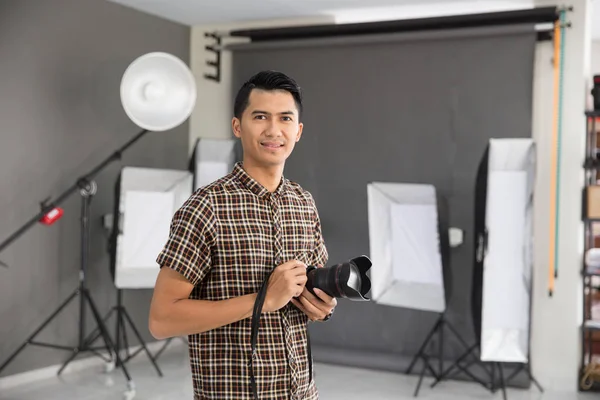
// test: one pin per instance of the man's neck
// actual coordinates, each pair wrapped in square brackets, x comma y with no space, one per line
[268,177]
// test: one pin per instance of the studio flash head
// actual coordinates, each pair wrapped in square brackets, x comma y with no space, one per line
[346,280]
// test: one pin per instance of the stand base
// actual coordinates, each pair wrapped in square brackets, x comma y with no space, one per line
[167,342]
[493,385]
[438,329]
[83,345]
[122,343]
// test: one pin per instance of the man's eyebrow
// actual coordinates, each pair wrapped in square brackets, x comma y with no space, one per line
[268,113]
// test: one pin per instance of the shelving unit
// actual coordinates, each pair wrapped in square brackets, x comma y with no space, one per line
[590,331]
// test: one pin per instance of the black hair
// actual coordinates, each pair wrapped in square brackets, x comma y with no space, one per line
[267,80]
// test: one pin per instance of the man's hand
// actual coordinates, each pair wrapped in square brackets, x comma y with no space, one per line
[316,308]
[286,281]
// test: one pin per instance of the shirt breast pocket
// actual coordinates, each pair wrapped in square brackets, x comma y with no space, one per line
[300,242]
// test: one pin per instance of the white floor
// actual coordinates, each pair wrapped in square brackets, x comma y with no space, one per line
[334,383]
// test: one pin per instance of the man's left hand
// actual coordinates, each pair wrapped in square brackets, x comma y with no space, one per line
[316,308]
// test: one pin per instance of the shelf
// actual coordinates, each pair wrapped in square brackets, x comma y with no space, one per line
[596,273]
[591,164]
[592,325]
[592,113]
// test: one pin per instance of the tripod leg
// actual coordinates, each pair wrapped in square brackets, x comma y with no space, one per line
[425,342]
[535,382]
[456,363]
[40,328]
[421,375]
[104,332]
[141,340]
[159,352]
[71,358]
[502,382]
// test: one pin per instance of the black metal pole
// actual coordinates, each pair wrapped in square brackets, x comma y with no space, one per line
[528,16]
[77,186]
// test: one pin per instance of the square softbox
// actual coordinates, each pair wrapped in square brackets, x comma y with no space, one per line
[145,201]
[503,249]
[405,246]
[212,159]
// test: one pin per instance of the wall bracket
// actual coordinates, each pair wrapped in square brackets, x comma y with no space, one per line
[216,63]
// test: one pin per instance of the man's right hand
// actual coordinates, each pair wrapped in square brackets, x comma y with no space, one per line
[286,281]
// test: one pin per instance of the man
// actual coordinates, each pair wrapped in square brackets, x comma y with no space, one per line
[223,243]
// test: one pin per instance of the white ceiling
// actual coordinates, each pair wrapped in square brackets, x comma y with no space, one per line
[210,12]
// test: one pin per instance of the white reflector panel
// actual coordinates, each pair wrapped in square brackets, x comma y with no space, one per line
[148,199]
[405,246]
[146,215]
[212,159]
[508,258]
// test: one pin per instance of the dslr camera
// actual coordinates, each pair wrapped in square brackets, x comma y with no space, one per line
[347,280]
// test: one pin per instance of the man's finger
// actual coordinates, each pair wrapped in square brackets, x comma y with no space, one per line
[299,305]
[293,264]
[322,297]
[312,309]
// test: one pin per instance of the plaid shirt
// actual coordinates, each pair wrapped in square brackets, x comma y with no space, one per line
[224,240]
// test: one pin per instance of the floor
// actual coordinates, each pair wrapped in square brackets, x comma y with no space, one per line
[334,383]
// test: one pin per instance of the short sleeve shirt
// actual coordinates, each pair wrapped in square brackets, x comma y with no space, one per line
[225,239]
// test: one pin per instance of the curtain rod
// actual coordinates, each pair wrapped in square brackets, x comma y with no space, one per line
[538,15]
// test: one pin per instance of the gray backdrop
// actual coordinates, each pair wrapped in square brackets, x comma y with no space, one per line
[60,115]
[399,108]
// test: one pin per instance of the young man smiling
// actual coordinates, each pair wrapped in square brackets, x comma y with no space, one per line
[226,239]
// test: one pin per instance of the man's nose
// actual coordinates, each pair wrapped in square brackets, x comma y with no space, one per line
[273,129]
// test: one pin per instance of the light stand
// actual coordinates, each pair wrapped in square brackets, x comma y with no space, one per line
[442,322]
[87,189]
[503,193]
[158,93]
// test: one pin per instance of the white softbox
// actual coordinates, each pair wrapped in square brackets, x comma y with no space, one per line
[146,200]
[504,249]
[211,160]
[405,246]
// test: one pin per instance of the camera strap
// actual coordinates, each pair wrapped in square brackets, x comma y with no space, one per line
[256,313]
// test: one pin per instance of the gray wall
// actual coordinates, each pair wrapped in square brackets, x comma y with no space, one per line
[398,108]
[61,62]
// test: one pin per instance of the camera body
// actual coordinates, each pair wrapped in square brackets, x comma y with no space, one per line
[345,280]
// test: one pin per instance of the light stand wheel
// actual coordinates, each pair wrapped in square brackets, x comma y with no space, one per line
[109,366]
[129,394]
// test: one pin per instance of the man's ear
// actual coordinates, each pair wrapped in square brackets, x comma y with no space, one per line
[236,127]
[300,128]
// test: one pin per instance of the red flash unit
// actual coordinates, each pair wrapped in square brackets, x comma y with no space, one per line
[52,216]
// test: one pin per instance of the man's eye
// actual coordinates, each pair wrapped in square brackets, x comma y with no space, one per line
[260,117]
[287,119]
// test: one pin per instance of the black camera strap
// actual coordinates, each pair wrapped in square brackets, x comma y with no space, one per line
[258,305]
[256,314]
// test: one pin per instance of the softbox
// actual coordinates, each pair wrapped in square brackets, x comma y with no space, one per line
[408,242]
[503,250]
[211,159]
[145,201]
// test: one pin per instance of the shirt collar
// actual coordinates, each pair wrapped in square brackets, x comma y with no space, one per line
[254,186]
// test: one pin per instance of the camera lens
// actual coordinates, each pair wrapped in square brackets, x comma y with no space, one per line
[346,280]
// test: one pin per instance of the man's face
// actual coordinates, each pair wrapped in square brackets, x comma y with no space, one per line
[269,127]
